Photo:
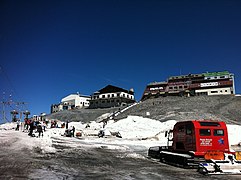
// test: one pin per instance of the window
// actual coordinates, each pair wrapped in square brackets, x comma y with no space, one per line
[205,132]
[108,95]
[188,131]
[113,95]
[189,128]
[214,91]
[181,129]
[218,132]
[103,96]
[170,87]
[209,123]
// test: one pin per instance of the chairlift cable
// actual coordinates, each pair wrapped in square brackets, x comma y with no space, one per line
[19,105]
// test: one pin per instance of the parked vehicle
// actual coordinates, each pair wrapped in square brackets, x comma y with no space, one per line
[201,144]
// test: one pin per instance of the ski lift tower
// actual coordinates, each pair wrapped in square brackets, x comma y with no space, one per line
[14,115]
[26,113]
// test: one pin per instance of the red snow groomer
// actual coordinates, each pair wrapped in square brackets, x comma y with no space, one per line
[201,144]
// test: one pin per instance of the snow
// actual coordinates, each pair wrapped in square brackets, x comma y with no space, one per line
[234,134]
[135,131]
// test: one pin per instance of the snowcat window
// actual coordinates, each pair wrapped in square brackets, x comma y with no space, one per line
[209,124]
[205,132]
[181,129]
[188,131]
[218,132]
[189,128]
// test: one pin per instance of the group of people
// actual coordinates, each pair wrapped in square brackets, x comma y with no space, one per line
[30,125]
[69,132]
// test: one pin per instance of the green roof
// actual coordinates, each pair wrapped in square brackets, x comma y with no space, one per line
[222,73]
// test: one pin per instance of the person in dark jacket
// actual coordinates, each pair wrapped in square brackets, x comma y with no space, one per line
[73,131]
[31,126]
[40,130]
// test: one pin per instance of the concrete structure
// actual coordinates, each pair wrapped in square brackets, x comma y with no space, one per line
[215,83]
[75,101]
[111,96]
[72,101]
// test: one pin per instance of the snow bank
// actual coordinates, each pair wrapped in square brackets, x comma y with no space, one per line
[135,131]
[234,134]
[135,127]
[8,126]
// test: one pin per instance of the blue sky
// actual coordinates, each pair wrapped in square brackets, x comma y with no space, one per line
[50,49]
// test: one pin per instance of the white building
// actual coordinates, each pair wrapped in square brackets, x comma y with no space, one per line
[72,101]
[75,101]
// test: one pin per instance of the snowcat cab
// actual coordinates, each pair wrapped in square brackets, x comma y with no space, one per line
[200,136]
[201,144]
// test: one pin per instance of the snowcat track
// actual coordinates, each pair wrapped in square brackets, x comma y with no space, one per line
[180,160]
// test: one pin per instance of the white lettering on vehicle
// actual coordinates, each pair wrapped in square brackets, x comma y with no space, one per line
[206,142]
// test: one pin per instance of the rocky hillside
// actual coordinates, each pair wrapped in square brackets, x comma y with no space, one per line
[83,115]
[226,108]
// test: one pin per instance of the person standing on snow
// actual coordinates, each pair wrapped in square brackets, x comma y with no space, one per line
[31,126]
[40,130]
[18,124]
[73,130]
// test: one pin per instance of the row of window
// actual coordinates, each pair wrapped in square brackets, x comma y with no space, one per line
[178,87]
[220,91]
[107,101]
[112,95]
[66,103]
[217,77]
[84,103]
[212,92]
[207,132]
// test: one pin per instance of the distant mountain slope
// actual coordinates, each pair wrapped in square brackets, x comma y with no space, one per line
[223,107]
[83,115]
